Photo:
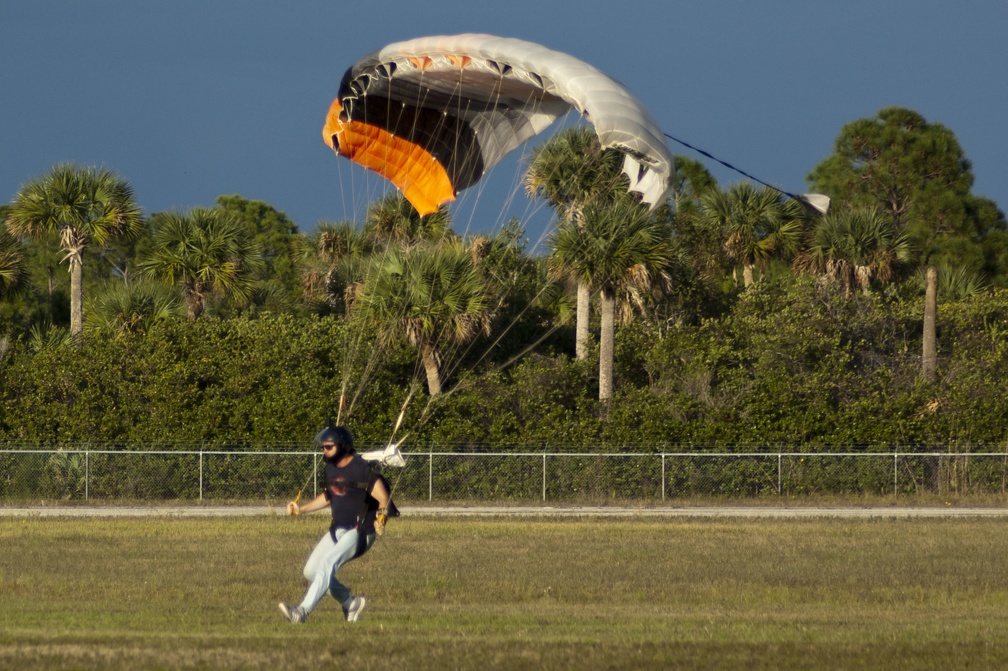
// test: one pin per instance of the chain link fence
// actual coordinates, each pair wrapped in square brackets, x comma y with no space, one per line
[97,475]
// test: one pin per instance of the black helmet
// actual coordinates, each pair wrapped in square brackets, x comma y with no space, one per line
[338,435]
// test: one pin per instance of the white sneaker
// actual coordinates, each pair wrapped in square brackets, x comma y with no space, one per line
[353,611]
[294,614]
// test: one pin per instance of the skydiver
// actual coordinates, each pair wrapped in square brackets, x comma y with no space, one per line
[360,503]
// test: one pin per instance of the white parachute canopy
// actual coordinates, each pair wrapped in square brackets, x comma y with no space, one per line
[433,114]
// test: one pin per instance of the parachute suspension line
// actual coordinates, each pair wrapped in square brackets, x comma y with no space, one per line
[394,446]
[807,200]
[496,341]
[371,362]
[359,336]
[529,348]
[402,413]
[389,244]
[358,193]
[390,235]
[423,92]
[356,340]
[351,355]
[447,352]
[465,108]
[470,106]
[457,97]
[342,190]
[420,103]
[457,354]
[307,480]
[542,203]
[456,357]
[507,329]
[493,100]
[428,410]
[342,402]
[516,184]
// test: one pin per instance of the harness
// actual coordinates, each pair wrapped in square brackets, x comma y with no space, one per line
[370,504]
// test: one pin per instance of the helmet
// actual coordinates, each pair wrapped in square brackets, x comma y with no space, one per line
[338,435]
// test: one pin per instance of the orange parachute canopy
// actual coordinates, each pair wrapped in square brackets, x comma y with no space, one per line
[414,171]
[433,114]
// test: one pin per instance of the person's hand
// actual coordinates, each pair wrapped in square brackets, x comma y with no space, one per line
[293,508]
[380,520]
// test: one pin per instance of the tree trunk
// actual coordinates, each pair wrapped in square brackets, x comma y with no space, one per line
[862,277]
[430,364]
[747,276]
[929,360]
[195,300]
[607,341]
[76,296]
[583,317]
[194,308]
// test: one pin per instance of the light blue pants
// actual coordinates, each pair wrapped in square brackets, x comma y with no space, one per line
[325,560]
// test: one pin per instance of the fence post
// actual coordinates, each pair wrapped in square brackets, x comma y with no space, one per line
[663,476]
[430,474]
[87,473]
[201,475]
[779,474]
[544,477]
[895,474]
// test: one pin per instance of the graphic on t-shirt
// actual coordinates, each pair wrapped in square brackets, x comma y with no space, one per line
[338,487]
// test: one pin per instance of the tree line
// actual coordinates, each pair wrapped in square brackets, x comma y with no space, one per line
[730,314]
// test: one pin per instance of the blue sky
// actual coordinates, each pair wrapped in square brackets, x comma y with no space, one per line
[190,99]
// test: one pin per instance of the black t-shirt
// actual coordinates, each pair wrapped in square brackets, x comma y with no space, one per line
[346,490]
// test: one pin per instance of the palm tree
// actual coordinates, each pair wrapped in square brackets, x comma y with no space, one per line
[691,181]
[82,205]
[855,247]
[47,337]
[956,282]
[12,275]
[430,294]
[757,224]
[121,309]
[700,240]
[929,353]
[331,263]
[394,221]
[12,264]
[205,252]
[569,171]
[618,248]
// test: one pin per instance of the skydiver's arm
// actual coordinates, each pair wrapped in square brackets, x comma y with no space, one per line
[381,493]
[318,503]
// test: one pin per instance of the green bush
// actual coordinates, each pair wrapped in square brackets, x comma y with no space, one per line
[791,364]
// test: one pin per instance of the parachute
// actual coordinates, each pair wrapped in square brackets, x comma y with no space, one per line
[434,114]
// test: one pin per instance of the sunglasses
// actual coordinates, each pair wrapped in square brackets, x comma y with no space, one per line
[328,447]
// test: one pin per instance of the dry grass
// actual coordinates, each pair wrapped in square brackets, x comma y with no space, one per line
[509,593]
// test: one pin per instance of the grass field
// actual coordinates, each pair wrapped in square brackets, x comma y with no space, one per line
[201,593]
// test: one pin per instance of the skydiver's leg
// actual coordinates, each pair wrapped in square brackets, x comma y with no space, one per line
[317,571]
[338,590]
[315,559]
[320,569]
